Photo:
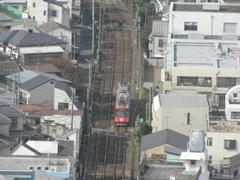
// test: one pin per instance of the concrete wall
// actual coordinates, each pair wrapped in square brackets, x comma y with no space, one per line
[42,93]
[209,23]
[37,12]
[176,119]
[217,150]
[61,96]
[4,129]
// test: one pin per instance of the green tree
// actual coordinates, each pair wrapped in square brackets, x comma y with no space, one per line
[144,129]
[143,93]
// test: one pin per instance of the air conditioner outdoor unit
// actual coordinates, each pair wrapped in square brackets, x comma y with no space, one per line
[172,178]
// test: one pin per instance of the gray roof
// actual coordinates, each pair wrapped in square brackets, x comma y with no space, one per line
[21,38]
[163,172]
[4,119]
[34,83]
[166,136]
[39,175]
[14,1]
[160,28]
[54,2]
[8,67]
[10,111]
[22,163]
[173,150]
[224,8]
[50,26]
[24,76]
[182,100]
[4,17]
[65,87]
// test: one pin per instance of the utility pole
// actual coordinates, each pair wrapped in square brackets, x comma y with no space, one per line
[72,114]
[99,33]
[93,29]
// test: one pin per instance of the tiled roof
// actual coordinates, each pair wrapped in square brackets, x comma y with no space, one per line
[166,136]
[21,38]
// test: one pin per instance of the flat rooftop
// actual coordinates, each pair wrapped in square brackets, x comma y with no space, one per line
[203,55]
[164,172]
[23,163]
[223,8]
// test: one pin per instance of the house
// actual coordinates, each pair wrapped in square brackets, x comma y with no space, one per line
[55,123]
[202,39]
[37,87]
[158,40]
[32,48]
[222,142]
[193,166]
[52,158]
[44,11]
[163,146]
[179,112]
[60,31]
[44,68]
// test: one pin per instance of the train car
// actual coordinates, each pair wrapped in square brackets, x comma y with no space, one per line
[122,104]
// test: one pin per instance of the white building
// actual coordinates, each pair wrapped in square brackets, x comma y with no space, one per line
[232,104]
[158,39]
[222,142]
[44,11]
[196,157]
[202,38]
[60,31]
[179,112]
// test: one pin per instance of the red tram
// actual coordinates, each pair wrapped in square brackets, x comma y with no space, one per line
[122,104]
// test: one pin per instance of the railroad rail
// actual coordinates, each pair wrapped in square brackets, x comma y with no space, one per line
[108,144]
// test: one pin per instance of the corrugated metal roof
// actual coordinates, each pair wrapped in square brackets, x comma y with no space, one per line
[24,76]
[10,111]
[160,28]
[180,100]
[41,50]
[166,136]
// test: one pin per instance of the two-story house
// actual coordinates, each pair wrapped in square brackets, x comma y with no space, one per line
[44,11]
[31,48]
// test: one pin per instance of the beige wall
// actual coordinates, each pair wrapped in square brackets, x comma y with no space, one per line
[176,119]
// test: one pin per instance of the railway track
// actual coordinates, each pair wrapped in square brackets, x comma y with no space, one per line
[107,157]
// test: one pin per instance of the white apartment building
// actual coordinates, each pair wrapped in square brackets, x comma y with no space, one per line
[222,142]
[44,11]
[179,112]
[202,50]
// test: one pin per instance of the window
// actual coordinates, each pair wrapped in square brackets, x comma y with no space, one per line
[230,144]
[46,168]
[14,122]
[189,0]
[234,94]
[193,162]
[39,168]
[188,118]
[210,159]
[226,82]
[62,106]
[190,26]
[31,168]
[160,43]
[187,81]
[34,17]
[53,13]
[229,27]
[44,12]
[235,115]
[34,5]
[209,141]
